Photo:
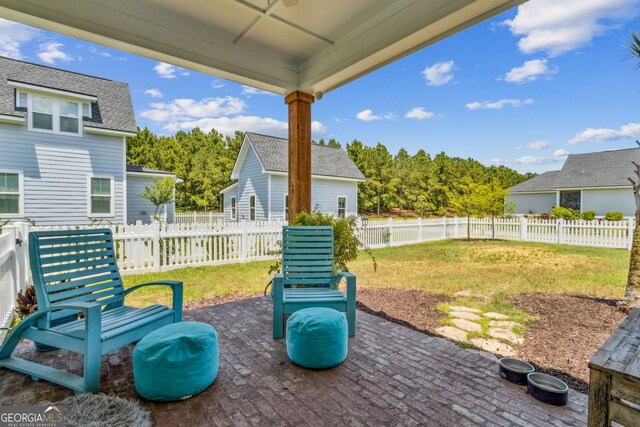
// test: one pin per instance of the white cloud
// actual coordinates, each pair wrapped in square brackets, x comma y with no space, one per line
[557,156]
[154,93]
[248,90]
[556,27]
[183,109]
[12,36]
[536,145]
[419,113]
[216,84]
[529,71]
[228,125]
[104,53]
[367,116]
[496,105]
[223,114]
[168,71]
[51,52]
[439,74]
[631,130]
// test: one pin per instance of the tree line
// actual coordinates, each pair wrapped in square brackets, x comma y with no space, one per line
[420,183]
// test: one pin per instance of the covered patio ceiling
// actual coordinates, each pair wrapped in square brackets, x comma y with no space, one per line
[280,46]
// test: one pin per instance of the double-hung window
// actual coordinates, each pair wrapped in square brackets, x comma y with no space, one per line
[342,206]
[100,196]
[10,193]
[286,207]
[49,114]
[233,208]
[252,208]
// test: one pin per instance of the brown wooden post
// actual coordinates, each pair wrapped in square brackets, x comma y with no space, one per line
[299,152]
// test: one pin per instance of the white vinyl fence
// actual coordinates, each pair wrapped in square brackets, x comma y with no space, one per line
[198,217]
[13,274]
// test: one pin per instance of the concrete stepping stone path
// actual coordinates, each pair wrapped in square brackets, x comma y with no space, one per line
[466,320]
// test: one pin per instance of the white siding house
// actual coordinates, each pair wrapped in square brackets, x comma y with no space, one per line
[590,181]
[62,139]
[260,192]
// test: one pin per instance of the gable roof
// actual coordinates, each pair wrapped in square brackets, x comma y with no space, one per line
[588,170]
[140,169]
[273,154]
[112,110]
[603,169]
[540,183]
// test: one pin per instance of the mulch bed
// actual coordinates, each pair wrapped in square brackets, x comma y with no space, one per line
[568,330]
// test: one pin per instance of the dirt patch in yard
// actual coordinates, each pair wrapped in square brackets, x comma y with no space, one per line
[567,331]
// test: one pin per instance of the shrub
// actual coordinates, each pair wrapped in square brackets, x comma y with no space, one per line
[565,213]
[26,303]
[614,216]
[588,215]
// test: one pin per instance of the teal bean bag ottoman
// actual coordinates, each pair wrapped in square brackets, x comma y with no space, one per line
[317,338]
[176,361]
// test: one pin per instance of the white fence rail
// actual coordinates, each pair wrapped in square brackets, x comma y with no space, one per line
[198,217]
[13,274]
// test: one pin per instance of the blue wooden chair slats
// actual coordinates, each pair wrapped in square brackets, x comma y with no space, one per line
[308,278]
[75,271]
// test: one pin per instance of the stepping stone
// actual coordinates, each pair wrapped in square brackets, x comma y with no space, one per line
[452,333]
[506,324]
[461,308]
[494,346]
[493,315]
[465,315]
[467,325]
[506,334]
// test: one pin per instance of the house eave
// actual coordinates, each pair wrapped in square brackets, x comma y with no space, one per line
[29,87]
[229,188]
[108,132]
[16,120]
[314,176]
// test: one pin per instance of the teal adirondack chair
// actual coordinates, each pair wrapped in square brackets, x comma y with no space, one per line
[75,271]
[308,279]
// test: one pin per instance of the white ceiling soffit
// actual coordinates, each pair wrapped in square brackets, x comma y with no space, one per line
[313,45]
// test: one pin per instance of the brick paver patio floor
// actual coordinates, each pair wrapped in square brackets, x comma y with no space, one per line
[393,376]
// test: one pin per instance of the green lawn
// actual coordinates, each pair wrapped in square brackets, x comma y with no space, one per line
[439,267]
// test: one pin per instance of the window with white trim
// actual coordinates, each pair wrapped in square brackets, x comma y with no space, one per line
[86,110]
[21,99]
[10,197]
[252,208]
[101,196]
[49,114]
[286,207]
[342,206]
[233,208]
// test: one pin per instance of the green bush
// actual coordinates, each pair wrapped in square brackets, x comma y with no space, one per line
[565,213]
[588,215]
[614,216]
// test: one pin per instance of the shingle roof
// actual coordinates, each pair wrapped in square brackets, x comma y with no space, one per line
[327,161]
[542,182]
[140,169]
[113,109]
[604,169]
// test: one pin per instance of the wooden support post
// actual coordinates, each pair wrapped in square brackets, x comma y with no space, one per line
[299,152]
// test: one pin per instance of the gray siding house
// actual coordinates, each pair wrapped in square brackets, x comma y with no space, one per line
[590,181]
[260,193]
[62,139]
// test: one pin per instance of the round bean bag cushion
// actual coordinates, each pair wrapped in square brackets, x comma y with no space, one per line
[176,361]
[317,338]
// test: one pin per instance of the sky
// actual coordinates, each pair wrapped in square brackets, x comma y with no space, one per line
[524,89]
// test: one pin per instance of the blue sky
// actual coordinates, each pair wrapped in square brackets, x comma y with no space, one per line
[523,89]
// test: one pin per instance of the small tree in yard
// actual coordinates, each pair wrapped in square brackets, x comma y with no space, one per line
[469,201]
[495,204]
[160,194]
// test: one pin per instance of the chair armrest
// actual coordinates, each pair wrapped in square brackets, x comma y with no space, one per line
[277,289]
[176,287]
[351,283]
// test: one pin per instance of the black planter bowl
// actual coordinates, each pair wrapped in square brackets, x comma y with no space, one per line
[547,389]
[515,370]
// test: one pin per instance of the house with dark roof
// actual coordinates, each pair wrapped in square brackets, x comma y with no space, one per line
[590,181]
[260,192]
[62,139]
